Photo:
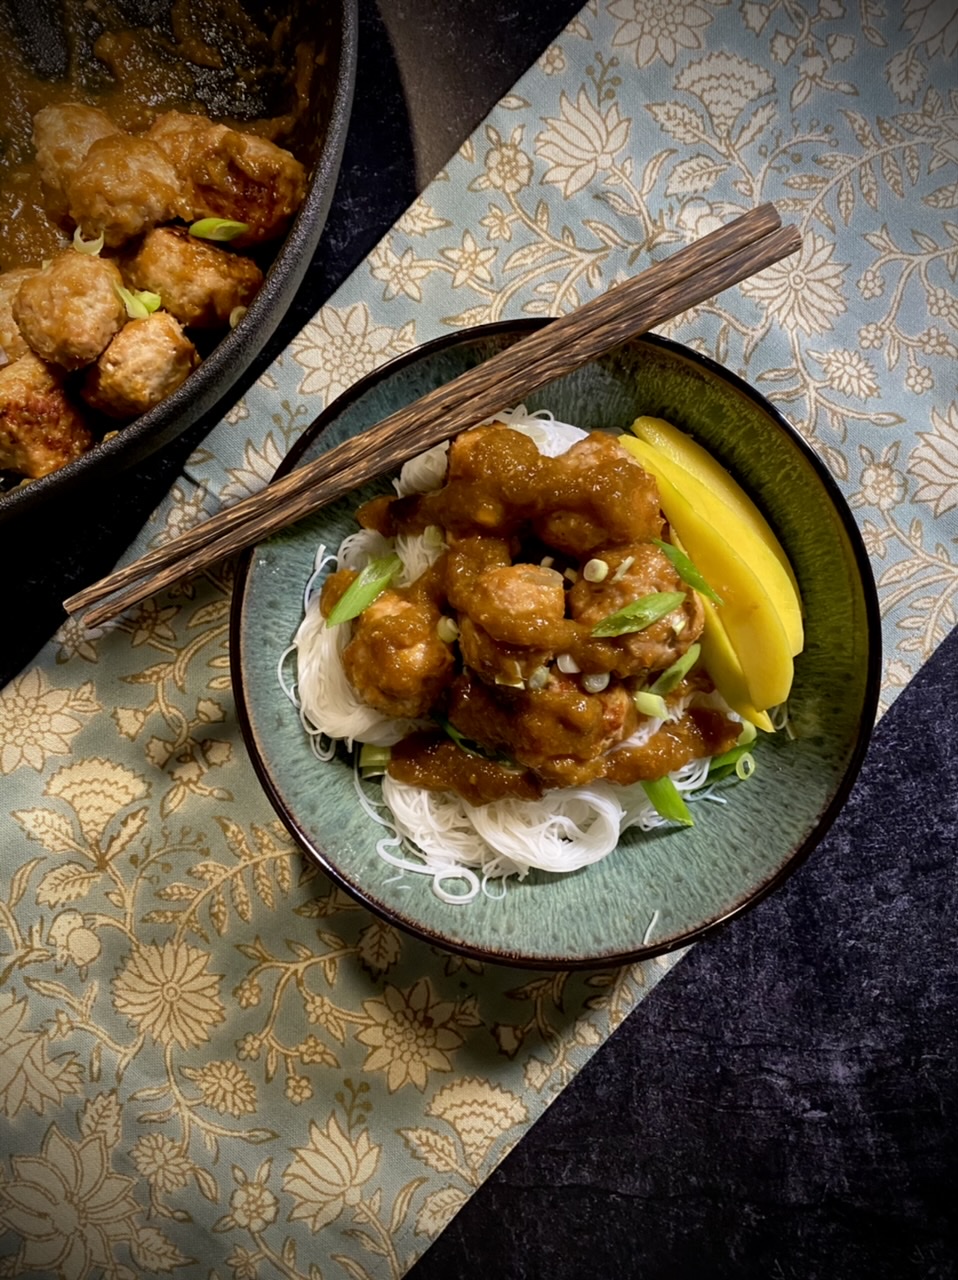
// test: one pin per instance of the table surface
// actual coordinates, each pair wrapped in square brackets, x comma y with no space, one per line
[783,1105]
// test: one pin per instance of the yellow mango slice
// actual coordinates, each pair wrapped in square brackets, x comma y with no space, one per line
[680,448]
[750,618]
[721,662]
[737,529]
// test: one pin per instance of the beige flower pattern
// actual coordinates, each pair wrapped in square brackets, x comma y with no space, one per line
[211,1059]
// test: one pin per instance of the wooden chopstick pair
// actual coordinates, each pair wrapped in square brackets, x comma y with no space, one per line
[692,275]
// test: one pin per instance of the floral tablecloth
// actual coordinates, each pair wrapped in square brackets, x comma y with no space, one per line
[212,1062]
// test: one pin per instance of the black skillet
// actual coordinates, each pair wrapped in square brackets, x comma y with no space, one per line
[57,42]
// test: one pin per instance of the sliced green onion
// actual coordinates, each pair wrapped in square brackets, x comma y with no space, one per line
[595,570]
[236,315]
[677,672]
[217,228]
[639,614]
[364,589]
[728,762]
[667,801]
[745,766]
[462,742]
[373,760]
[650,704]
[92,247]
[686,570]
[748,735]
[139,303]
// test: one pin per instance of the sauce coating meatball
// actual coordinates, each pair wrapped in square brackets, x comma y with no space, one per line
[225,173]
[62,135]
[12,342]
[70,310]
[199,283]
[146,361]
[123,185]
[40,430]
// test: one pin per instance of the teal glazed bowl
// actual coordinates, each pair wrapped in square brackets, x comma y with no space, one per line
[657,891]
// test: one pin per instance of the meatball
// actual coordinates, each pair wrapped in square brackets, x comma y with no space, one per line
[70,310]
[40,430]
[518,604]
[199,283]
[225,173]
[395,660]
[600,497]
[12,342]
[62,135]
[635,572]
[559,732]
[146,361]
[123,186]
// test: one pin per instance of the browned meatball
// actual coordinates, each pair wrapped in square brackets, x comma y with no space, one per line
[123,186]
[229,174]
[40,430]
[395,660]
[146,361]
[12,342]
[62,135]
[199,283]
[70,310]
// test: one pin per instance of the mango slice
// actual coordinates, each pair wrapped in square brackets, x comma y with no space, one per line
[753,621]
[679,448]
[739,525]
[721,662]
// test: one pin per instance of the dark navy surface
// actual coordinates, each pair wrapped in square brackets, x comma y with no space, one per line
[783,1105]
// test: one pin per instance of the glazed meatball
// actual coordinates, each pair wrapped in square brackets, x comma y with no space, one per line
[70,310]
[62,135]
[123,186]
[146,361]
[12,342]
[228,174]
[40,430]
[199,283]
[395,660]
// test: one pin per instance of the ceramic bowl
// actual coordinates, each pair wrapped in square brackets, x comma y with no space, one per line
[657,891]
[317,138]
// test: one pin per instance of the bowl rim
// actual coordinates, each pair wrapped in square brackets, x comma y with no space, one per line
[520,328]
[215,379]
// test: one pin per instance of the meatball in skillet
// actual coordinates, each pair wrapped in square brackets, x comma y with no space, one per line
[12,342]
[70,310]
[123,186]
[62,135]
[40,430]
[200,283]
[228,174]
[146,361]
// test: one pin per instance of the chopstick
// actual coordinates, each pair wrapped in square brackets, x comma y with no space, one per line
[695,273]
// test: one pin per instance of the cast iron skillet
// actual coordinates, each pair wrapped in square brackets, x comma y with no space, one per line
[318,140]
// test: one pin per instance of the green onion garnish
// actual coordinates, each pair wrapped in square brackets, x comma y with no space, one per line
[217,228]
[651,704]
[686,570]
[748,735]
[92,247]
[139,303]
[738,760]
[667,801]
[364,589]
[639,614]
[677,672]
[373,760]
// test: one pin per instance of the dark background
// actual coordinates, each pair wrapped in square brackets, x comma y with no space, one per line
[783,1104]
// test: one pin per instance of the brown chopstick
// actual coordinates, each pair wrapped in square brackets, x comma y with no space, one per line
[690,276]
